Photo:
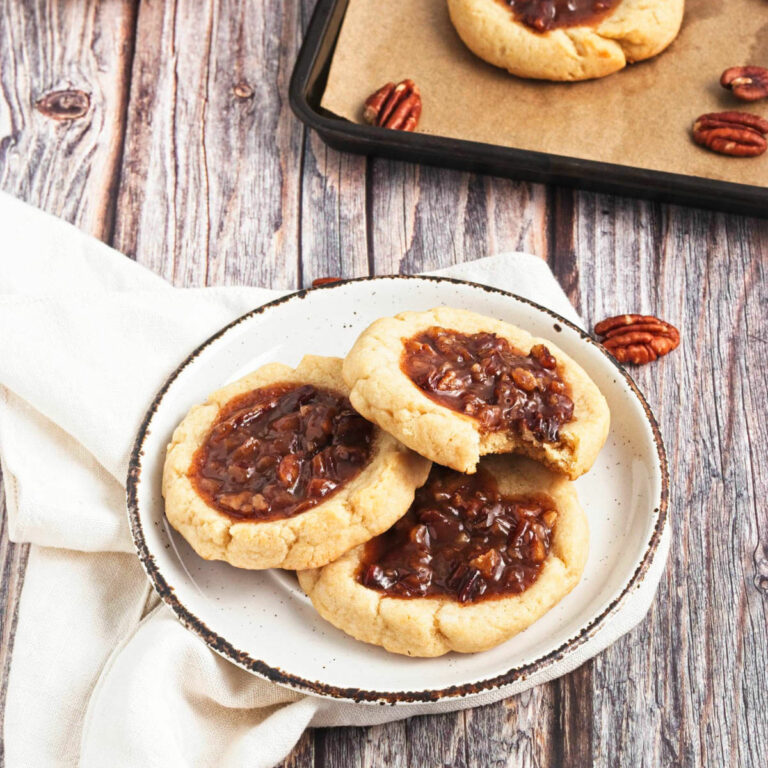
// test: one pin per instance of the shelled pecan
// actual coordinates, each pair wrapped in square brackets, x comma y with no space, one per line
[394,106]
[637,339]
[747,83]
[738,134]
[324,281]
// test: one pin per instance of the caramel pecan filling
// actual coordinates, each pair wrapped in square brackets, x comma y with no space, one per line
[280,450]
[543,15]
[482,376]
[461,539]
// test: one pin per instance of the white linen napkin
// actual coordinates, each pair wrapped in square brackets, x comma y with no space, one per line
[101,674]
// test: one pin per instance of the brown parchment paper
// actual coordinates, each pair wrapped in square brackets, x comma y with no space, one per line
[639,117]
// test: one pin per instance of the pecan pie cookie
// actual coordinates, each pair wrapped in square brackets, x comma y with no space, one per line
[476,559]
[566,39]
[278,470]
[454,385]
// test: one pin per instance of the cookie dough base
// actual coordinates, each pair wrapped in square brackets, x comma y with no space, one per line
[434,626]
[635,30]
[362,508]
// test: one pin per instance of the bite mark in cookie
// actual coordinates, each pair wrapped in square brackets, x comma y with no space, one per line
[482,376]
[473,386]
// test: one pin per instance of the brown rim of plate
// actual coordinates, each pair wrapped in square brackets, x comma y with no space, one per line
[279,676]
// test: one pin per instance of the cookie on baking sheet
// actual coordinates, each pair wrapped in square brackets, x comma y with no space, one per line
[563,39]
[477,559]
[278,470]
[454,385]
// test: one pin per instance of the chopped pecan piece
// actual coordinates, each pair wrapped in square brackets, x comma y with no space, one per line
[524,379]
[550,518]
[488,563]
[637,339]
[738,134]
[543,355]
[746,83]
[288,470]
[538,551]
[394,106]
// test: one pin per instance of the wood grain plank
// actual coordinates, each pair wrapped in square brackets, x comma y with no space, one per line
[66,167]
[210,181]
[424,218]
[617,247]
[515,732]
[334,205]
[572,734]
[334,240]
[437,740]
[372,747]
[386,745]
[683,688]
[337,747]
[625,244]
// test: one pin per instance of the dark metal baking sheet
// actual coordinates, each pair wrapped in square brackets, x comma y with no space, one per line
[306,91]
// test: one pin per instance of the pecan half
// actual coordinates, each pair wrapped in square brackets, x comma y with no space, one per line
[324,281]
[394,106]
[746,83]
[738,134]
[637,339]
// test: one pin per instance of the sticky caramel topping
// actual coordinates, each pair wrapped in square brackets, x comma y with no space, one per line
[543,15]
[482,376]
[280,450]
[461,539]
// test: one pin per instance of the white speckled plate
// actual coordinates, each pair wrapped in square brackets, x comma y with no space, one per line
[262,621]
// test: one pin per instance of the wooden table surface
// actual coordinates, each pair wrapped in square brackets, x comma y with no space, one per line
[189,160]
